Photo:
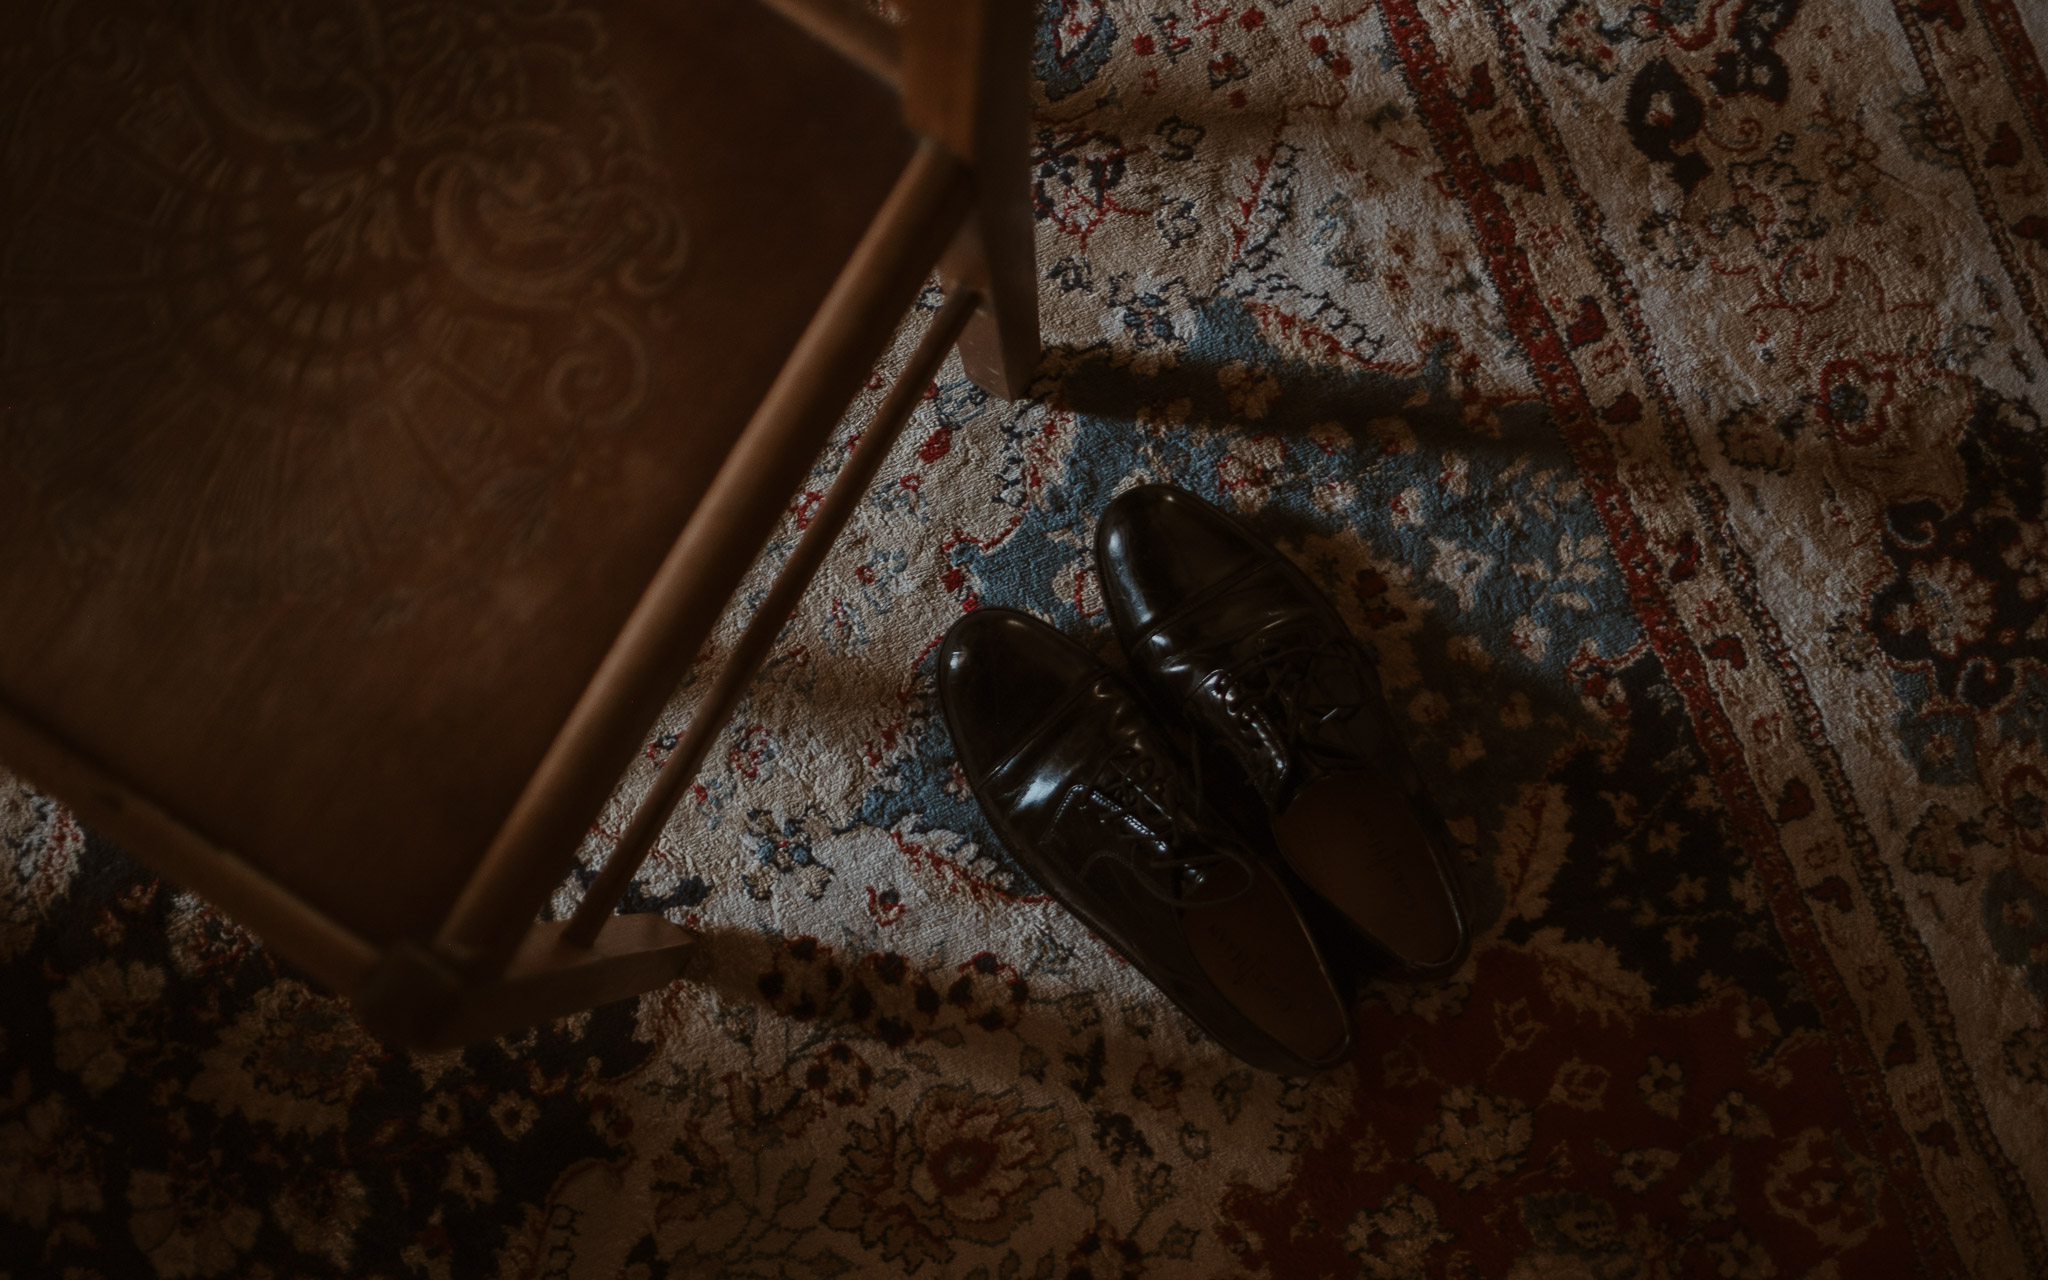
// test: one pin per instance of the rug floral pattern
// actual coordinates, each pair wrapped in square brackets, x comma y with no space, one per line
[1656,388]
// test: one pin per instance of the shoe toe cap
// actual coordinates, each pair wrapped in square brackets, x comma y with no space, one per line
[1158,545]
[1000,673]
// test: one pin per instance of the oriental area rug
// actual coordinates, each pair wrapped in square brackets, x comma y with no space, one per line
[1659,390]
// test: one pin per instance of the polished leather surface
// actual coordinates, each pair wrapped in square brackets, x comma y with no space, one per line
[1228,634]
[1086,791]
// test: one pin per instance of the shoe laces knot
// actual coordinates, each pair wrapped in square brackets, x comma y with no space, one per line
[1143,809]
[1296,690]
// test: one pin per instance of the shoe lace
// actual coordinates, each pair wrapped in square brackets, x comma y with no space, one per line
[1294,688]
[1148,828]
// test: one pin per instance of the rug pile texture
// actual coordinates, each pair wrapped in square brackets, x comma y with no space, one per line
[1658,388]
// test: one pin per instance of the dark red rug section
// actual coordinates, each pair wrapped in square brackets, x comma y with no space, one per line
[1633,1068]
[1702,1140]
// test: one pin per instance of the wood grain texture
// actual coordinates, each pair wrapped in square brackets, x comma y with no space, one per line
[850,30]
[300,931]
[345,418]
[966,74]
[551,977]
[654,647]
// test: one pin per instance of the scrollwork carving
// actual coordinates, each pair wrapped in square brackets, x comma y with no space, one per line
[525,220]
[333,224]
[600,380]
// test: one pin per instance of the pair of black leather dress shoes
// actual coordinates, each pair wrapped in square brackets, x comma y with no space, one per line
[1257,782]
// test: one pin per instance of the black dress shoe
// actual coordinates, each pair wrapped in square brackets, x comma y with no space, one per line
[1087,793]
[1227,632]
